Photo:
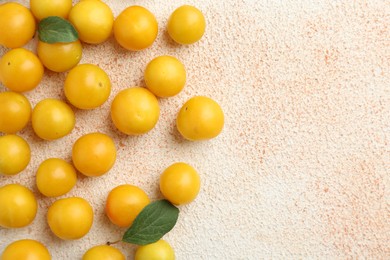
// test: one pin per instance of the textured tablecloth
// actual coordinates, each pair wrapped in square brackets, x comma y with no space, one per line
[301,169]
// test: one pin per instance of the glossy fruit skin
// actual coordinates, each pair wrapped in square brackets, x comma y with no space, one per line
[70,218]
[159,250]
[135,111]
[20,70]
[15,112]
[18,206]
[15,154]
[165,76]
[17,25]
[103,252]
[94,154]
[135,28]
[55,177]
[93,20]
[44,8]
[26,249]
[87,86]
[186,25]
[59,57]
[52,119]
[124,203]
[200,118]
[180,183]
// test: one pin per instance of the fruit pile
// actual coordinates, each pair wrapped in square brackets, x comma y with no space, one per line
[63,31]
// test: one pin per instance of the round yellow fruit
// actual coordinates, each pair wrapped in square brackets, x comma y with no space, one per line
[18,206]
[87,86]
[94,154]
[15,154]
[15,112]
[124,203]
[135,111]
[20,70]
[55,177]
[17,25]
[186,25]
[160,250]
[165,76]
[44,8]
[59,57]
[180,183]
[26,249]
[93,21]
[135,28]
[103,252]
[200,118]
[52,119]
[70,218]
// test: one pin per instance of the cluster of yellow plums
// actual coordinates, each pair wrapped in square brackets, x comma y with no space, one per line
[134,111]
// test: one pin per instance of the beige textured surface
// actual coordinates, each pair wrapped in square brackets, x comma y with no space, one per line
[301,169]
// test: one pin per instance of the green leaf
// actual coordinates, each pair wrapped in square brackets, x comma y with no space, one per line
[152,223]
[55,29]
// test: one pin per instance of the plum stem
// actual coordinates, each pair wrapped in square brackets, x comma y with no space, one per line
[112,243]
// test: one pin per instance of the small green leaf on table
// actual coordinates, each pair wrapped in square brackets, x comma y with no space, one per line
[55,29]
[152,223]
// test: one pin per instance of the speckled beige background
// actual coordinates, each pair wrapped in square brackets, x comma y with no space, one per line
[302,167]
